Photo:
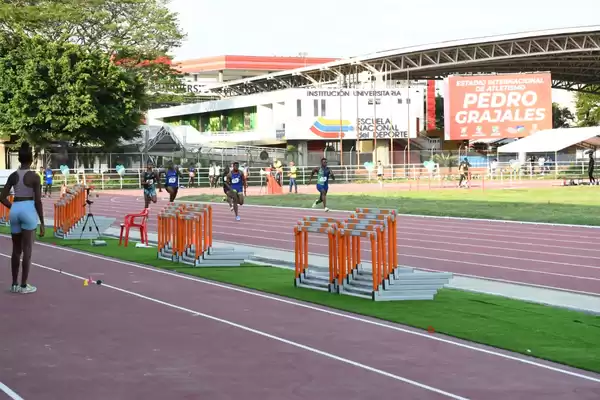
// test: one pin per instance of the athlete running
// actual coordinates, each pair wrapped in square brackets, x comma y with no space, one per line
[235,183]
[25,211]
[323,175]
[172,181]
[149,181]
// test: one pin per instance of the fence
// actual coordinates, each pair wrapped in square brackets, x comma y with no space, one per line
[132,177]
[258,157]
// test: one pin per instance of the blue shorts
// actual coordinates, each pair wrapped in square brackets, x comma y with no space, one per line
[23,216]
[150,192]
[322,189]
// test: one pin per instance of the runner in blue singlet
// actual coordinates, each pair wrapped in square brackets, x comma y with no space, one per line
[172,181]
[235,184]
[48,178]
[323,175]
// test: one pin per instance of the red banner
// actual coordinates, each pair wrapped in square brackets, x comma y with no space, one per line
[497,106]
[431,105]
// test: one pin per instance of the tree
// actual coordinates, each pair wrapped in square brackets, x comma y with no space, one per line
[587,109]
[562,117]
[137,33]
[59,91]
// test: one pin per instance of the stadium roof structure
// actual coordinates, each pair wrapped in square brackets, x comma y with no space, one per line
[572,55]
[552,140]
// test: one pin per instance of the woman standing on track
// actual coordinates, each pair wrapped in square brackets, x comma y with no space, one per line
[25,210]
[172,181]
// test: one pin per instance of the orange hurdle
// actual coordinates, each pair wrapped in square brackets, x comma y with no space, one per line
[377,226]
[185,233]
[69,211]
[319,225]
[5,212]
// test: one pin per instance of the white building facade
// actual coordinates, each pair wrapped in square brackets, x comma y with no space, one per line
[366,119]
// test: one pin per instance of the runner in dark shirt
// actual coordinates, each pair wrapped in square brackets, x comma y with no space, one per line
[591,165]
[463,168]
[149,182]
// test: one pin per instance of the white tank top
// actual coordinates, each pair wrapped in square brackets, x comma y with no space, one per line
[20,189]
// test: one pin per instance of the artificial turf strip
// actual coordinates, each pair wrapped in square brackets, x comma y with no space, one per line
[562,205]
[563,336]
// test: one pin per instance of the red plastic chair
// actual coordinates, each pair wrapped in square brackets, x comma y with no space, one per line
[130,222]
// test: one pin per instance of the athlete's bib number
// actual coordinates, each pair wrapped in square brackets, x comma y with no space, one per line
[172,179]
[150,181]
[323,179]
[235,180]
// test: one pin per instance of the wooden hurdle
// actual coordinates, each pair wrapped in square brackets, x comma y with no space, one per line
[69,210]
[185,233]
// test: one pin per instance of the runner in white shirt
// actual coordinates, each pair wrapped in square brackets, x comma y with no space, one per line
[380,173]
[211,175]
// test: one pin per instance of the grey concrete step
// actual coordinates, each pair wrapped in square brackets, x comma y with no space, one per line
[403,297]
[356,289]
[412,288]
[322,283]
[305,286]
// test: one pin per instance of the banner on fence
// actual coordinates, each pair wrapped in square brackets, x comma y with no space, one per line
[497,106]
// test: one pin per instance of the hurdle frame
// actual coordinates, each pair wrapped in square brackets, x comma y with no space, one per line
[185,233]
[377,226]
[69,211]
[317,225]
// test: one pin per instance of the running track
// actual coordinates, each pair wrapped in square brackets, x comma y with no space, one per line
[153,335]
[566,258]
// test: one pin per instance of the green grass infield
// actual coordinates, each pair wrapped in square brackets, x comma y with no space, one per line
[561,205]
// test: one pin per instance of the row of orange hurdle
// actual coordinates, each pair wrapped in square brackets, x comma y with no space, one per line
[185,233]
[377,226]
[69,210]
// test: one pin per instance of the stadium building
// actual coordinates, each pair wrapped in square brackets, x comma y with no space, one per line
[385,103]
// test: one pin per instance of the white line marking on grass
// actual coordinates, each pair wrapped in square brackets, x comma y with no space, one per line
[9,392]
[326,311]
[263,334]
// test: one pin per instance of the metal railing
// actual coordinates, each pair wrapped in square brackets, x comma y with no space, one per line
[132,177]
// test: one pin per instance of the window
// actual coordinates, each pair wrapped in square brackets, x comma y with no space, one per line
[298,108]
[316,107]
[323,109]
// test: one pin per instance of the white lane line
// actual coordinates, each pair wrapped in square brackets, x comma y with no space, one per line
[9,392]
[264,334]
[329,312]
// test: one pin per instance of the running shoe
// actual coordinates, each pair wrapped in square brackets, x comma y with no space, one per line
[326,209]
[315,204]
[14,289]
[237,218]
[27,289]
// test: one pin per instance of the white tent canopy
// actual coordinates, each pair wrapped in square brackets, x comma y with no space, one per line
[552,140]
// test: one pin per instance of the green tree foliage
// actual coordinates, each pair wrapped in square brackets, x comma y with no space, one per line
[562,117]
[138,34]
[587,109]
[60,91]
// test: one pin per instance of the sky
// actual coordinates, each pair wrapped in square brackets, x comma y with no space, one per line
[345,28]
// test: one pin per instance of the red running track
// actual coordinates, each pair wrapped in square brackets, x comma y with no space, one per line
[561,257]
[149,334]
